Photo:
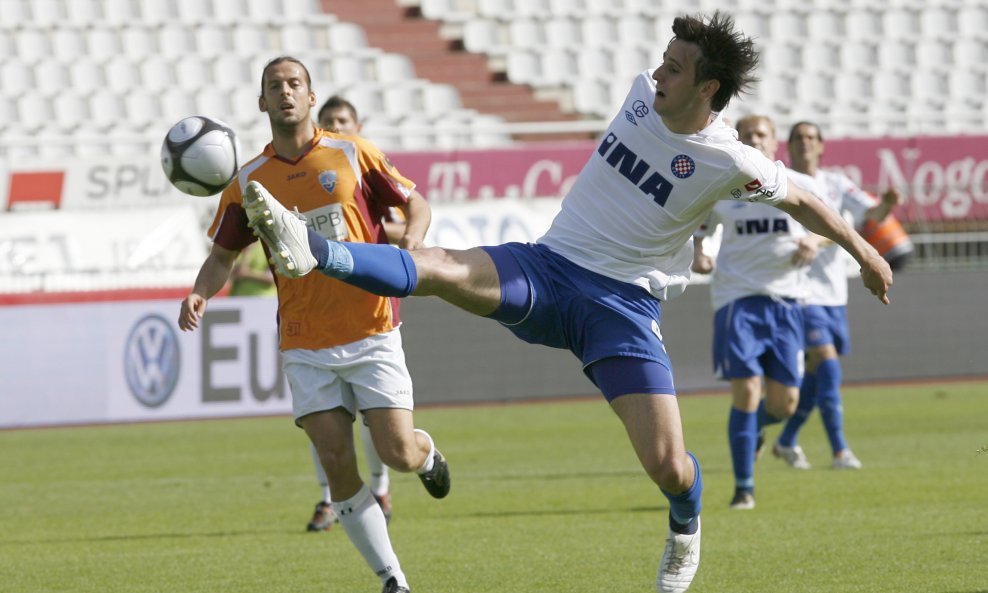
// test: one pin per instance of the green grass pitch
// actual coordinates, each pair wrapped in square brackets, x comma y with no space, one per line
[546,497]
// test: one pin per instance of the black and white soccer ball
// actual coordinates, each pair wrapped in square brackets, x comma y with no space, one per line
[200,155]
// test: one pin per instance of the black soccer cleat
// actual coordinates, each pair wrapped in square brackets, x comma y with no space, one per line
[436,480]
[392,587]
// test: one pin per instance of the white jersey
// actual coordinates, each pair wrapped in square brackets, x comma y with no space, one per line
[755,256]
[633,209]
[827,281]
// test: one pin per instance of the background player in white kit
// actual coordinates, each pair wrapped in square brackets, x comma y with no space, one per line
[758,279]
[827,334]
[620,244]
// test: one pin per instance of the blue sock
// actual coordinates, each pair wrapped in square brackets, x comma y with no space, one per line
[684,509]
[807,399]
[379,269]
[828,379]
[742,432]
[764,418]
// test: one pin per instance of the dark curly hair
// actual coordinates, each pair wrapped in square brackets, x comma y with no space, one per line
[726,55]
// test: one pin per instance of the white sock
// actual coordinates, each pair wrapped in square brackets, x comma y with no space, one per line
[364,523]
[429,462]
[379,481]
[320,474]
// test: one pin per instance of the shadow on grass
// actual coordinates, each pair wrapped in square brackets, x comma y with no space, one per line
[583,511]
[145,537]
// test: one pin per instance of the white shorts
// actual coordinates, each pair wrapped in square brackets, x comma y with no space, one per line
[361,375]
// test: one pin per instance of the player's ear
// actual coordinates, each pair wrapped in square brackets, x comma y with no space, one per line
[312,98]
[262,105]
[709,88]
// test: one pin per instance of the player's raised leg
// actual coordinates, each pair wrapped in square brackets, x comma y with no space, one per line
[467,278]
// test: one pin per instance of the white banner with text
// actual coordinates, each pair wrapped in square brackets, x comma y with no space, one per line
[86,363]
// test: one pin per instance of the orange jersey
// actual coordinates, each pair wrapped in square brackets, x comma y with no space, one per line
[888,237]
[342,185]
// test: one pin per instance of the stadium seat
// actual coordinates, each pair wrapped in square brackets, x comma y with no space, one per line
[592,97]
[482,36]
[227,12]
[176,103]
[44,13]
[16,78]
[348,69]
[345,37]
[192,73]
[927,89]
[212,40]
[142,109]
[105,109]
[14,13]
[137,43]
[82,13]
[523,66]
[526,34]
[154,12]
[389,67]
[121,74]
[175,40]
[896,54]
[487,131]
[972,21]
[556,67]
[250,39]
[598,31]
[230,72]
[214,102]
[119,12]
[825,25]
[51,76]
[157,73]
[900,23]
[31,45]
[593,62]
[102,43]
[562,32]
[864,24]
[440,99]
[858,55]
[937,22]
[403,100]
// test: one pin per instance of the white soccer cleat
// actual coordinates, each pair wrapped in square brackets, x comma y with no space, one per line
[846,460]
[794,456]
[680,560]
[284,232]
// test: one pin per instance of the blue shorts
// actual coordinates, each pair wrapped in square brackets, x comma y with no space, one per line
[827,325]
[759,336]
[611,326]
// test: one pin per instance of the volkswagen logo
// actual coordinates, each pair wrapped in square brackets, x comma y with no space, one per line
[152,360]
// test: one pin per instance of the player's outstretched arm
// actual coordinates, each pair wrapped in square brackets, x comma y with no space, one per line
[813,214]
[418,216]
[212,276]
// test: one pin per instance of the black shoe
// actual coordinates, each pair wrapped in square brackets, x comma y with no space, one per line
[392,587]
[760,444]
[744,500]
[436,480]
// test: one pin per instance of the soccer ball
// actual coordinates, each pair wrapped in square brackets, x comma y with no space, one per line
[200,155]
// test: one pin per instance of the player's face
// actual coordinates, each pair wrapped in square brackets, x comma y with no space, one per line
[340,120]
[675,90]
[287,98]
[806,147]
[758,134]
